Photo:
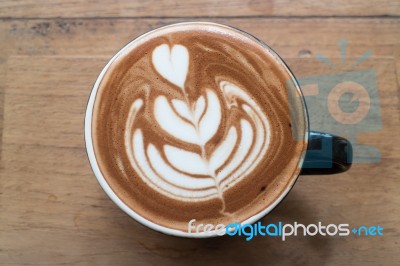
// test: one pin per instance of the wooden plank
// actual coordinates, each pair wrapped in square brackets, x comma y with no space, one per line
[5,47]
[290,37]
[70,76]
[50,110]
[3,67]
[192,8]
[44,120]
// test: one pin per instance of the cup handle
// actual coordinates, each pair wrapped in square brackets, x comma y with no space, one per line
[327,154]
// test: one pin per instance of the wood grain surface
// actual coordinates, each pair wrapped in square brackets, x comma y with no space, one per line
[196,8]
[52,210]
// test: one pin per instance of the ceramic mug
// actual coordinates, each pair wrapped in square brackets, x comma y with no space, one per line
[326,153]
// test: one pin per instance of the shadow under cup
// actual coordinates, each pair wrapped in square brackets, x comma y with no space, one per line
[299,127]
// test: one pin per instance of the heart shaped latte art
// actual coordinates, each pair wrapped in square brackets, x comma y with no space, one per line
[172,64]
[183,173]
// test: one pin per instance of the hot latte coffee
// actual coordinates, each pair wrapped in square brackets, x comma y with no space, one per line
[191,121]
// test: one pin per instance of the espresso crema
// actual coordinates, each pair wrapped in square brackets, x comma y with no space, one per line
[191,121]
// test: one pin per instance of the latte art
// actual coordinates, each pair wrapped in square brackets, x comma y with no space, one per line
[190,170]
[192,122]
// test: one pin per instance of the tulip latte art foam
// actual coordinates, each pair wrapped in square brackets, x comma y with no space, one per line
[193,122]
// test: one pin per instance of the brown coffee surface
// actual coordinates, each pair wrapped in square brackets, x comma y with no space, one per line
[214,143]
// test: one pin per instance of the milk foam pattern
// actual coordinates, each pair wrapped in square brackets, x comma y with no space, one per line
[196,176]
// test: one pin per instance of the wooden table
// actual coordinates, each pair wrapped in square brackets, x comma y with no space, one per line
[52,210]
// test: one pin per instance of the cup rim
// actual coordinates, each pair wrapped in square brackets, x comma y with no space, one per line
[112,195]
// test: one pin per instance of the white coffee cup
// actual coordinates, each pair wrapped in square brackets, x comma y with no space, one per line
[106,187]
